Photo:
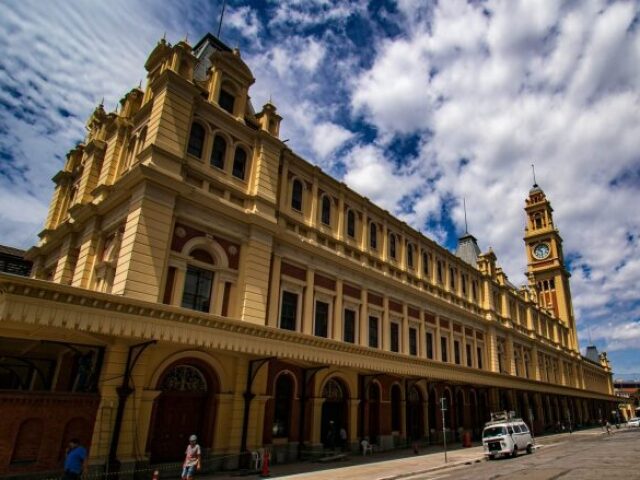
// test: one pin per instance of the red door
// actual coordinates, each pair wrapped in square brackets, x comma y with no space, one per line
[178,416]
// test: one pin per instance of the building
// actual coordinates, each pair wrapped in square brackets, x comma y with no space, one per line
[191,262]
[628,393]
[12,261]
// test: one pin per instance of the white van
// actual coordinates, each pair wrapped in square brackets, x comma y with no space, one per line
[506,436]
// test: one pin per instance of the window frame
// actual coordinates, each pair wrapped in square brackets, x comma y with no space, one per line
[325,201]
[297,181]
[296,290]
[240,149]
[203,140]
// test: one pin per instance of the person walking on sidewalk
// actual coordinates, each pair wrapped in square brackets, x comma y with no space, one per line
[192,459]
[74,461]
[608,427]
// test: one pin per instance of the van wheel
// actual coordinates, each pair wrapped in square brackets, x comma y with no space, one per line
[529,449]
[492,457]
[514,453]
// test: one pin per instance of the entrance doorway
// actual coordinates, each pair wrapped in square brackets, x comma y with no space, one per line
[415,414]
[184,408]
[334,413]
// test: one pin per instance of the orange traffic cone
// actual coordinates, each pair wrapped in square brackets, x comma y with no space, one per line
[156,475]
[265,465]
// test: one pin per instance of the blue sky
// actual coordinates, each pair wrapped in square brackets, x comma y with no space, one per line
[414,104]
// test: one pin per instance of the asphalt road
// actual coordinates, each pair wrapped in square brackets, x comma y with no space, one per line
[585,456]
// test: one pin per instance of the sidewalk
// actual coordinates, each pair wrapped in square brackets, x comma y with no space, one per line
[379,466]
[390,465]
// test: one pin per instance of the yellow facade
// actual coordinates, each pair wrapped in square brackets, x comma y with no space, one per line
[183,218]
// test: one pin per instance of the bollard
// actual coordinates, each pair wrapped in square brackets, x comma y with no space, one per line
[265,465]
[156,475]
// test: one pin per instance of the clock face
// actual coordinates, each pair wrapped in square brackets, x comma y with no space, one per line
[541,251]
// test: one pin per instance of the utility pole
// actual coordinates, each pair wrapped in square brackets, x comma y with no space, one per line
[443,408]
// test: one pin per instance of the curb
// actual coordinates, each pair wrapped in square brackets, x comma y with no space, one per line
[434,469]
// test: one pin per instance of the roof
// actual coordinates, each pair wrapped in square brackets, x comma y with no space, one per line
[468,249]
[14,252]
[592,354]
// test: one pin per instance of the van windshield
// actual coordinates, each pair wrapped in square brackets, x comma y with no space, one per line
[494,432]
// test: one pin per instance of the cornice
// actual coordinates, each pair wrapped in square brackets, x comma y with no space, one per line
[41,303]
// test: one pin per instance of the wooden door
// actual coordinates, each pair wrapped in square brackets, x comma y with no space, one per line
[178,416]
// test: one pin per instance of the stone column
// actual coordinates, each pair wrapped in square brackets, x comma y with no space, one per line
[364,318]
[405,329]
[422,334]
[386,324]
[491,345]
[307,310]
[274,291]
[437,345]
[338,312]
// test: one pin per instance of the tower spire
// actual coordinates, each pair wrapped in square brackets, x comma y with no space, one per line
[466,227]
[224,4]
[533,167]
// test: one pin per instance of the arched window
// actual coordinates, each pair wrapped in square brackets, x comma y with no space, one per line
[410,255]
[351,224]
[333,391]
[184,378]
[196,140]
[537,220]
[392,246]
[283,404]
[373,236]
[326,210]
[239,163]
[28,441]
[396,402]
[227,100]
[218,152]
[296,195]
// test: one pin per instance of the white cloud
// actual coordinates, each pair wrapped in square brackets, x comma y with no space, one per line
[327,137]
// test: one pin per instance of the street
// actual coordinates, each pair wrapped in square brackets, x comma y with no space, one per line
[585,455]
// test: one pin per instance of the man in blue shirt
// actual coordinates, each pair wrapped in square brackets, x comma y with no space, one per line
[74,462]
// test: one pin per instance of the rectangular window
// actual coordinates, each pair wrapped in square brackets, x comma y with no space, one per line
[479,358]
[456,351]
[413,341]
[197,289]
[469,356]
[373,332]
[395,337]
[444,341]
[322,319]
[429,345]
[226,101]
[349,326]
[289,310]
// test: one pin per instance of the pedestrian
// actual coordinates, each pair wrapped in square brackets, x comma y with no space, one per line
[192,459]
[608,427]
[343,438]
[74,461]
[331,436]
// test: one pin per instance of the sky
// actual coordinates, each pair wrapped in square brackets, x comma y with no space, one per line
[413,103]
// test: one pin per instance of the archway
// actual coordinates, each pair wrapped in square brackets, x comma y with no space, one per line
[396,405]
[334,412]
[185,407]
[460,417]
[373,394]
[415,414]
[432,407]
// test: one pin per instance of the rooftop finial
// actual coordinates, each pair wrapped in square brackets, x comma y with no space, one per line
[224,4]
[533,167]
[140,84]
[464,203]
[186,37]
[102,102]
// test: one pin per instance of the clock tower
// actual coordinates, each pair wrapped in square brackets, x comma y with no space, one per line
[545,262]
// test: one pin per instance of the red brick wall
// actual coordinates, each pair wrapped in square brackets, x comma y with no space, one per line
[36,426]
